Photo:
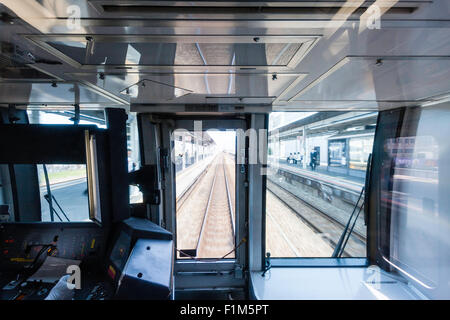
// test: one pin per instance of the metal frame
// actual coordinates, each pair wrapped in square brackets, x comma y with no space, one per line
[289,87]
[319,262]
[298,262]
[142,82]
[307,43]
[222,109]
[208,98]
[197,274]
[95,213]
[256,199]
[98,6]
[275,3]
[319,22]
[87,85]
[103,92]
[51,76]
[186,72]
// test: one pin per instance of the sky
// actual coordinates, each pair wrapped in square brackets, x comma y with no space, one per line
[279,119]
[225,140]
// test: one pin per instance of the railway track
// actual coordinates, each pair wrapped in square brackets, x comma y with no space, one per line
[330,228]
[216,236]
[205,213]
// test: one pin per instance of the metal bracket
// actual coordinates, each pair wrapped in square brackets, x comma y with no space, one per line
[76,117]
[238,272]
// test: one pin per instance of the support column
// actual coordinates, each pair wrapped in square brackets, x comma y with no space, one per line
[256,199]
[305,150]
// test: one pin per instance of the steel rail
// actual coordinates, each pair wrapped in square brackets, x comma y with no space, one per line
[318,229]
[324,214]
[229,201]
[187,192]
[205,215]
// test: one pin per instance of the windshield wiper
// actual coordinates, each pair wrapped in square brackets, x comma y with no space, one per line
[343,239]
[340,246]
[49,192]
[51,198]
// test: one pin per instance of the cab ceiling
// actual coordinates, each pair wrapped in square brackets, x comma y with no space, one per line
[166,55]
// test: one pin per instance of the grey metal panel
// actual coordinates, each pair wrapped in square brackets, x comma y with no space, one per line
[194,280]
[184,266]
[341,283]
[148,272]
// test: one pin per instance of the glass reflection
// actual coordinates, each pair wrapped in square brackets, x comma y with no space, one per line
[181,54]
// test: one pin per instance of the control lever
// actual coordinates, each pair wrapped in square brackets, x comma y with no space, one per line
[48,249]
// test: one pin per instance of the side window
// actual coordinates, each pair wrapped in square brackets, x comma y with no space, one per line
[316,174]
[412,196]
[47,191]
[63,192]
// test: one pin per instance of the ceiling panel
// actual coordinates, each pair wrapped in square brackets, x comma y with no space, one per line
[139,51]
[380,79]
[182,54]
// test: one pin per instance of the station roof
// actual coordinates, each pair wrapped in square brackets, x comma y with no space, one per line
[326,123]
[202,137]
[308,120]
[347,134]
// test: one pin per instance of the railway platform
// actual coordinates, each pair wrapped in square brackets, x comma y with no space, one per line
[324,170]
[322,174]
[187,177]
[328,184]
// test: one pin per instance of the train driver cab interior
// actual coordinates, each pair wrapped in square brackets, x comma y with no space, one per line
[192,150]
